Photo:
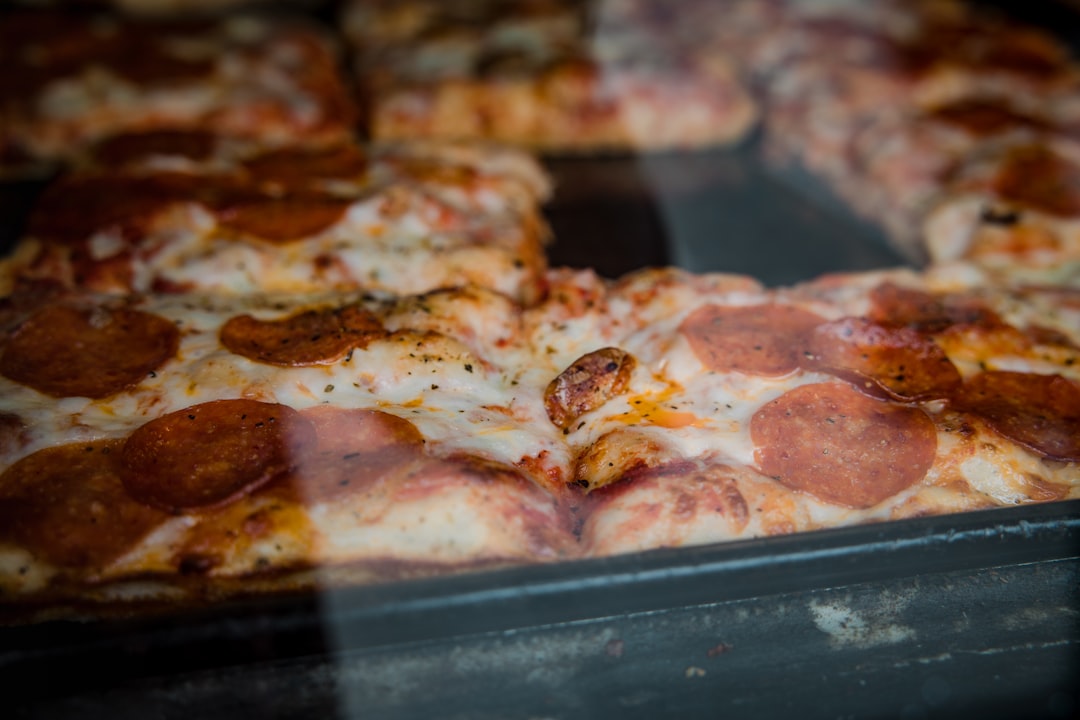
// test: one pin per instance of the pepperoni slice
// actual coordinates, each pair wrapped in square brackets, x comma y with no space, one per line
[292,167]
[1040,178]
[75,208]
[66,504]
[65,351]
[841,446]
[588,383]
[145,60]
[896,360]
[984,118]
[1040,412]
[40,46]
[314,337]
[893,304]
[356,448]
[1042,335]
[72,209]
[210,454]
[281,219]
[132,147]
[757,340]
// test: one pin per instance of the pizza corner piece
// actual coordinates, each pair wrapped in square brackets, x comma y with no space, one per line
[706,408]
[171,449]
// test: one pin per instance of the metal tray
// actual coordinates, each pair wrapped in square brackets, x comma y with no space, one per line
[970,615]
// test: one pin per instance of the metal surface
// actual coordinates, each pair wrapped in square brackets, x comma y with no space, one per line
[714,211]
[921,618]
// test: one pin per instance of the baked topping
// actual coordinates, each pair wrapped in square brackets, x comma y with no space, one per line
[588,383]
[764,340]
[312,337]
[984,118]
[841,446]
[74,208]
[877,358]
[291,167]
[67,506]
[1041,412]
[1039,178]
[280,219]
[892,304]
[131,148]
[355,449]
[66,351]
[210,454]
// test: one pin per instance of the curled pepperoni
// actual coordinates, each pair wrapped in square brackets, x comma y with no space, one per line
[1040,178]
[588,383]
[129,148]
[87,352]
[757,339]
[893,304]
[355,448]
[896,360]
[1040,412]
[841,446]
[281,219]
[314,337]
[66,505]
[210,454]
[293,167]
[616,455]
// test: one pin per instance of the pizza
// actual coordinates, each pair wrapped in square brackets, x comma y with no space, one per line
[171,449]
[884,101]
[170,8]
[186,447]
[706,408]
[252,356]
[553,75]
[76,77]
[183,211]
[1013,208]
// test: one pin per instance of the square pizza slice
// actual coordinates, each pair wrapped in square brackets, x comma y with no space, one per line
[707,408]
[173,449]
[190,211]
[75,77]
[555,75]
